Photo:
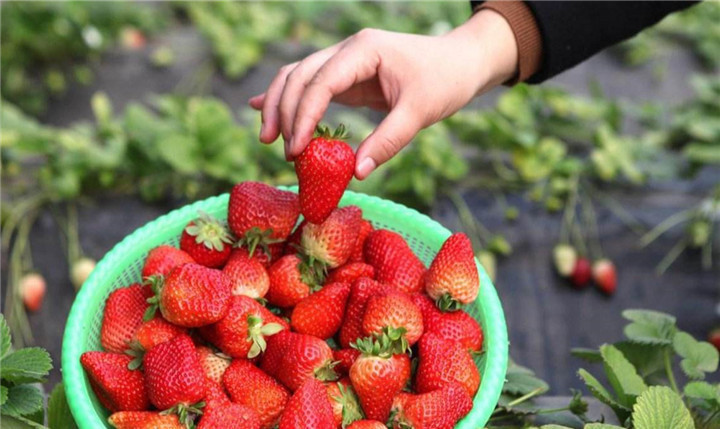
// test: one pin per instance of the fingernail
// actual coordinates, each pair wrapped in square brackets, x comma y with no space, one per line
[365,167]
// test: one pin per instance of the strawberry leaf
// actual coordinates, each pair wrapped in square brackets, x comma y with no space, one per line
[59,415]
[661,408]
[602,426]
[18,422]
[649,327]
[521,381]
[599,392]
[5,338]
[3,394]
[22,400]
[623,376]
[699,357]
[26,365]
[588,355]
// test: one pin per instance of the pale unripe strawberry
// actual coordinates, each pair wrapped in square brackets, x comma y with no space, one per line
[565,257]
[80,271]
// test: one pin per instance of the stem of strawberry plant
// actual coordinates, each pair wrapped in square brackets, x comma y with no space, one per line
[665,225]
[569,213]
[672,255]
[669,371]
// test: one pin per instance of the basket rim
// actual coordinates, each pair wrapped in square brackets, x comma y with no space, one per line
[495,333]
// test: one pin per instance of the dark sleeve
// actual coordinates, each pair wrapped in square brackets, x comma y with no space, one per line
[576,30]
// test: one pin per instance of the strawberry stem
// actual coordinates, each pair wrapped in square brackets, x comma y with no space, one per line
[446,303]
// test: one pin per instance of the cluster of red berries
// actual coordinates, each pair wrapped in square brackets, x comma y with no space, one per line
[579,270]
[264,323]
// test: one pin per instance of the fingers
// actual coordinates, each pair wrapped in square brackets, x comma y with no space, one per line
[270,115]
[295,84]
[393,133]
[353,64]
[257,101]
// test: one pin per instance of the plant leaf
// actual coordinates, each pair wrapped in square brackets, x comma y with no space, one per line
[17,422]
[601,426]
[22,400]
[521,381]
[26,365]
[647,359]
[622,375]
[702,390]
[59,415]
[599,391]
[649,327]
[699,357]
[661,408]
[5,338]
[588,355]
[3,394]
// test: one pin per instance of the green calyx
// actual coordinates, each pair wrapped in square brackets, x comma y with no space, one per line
[447,303]
[257,331]
[389,342]
[351,410]
[340,133]
[312,272]
[327,371]
[256,237]
[187,414]
[137,352]
[156,284]
[210,232]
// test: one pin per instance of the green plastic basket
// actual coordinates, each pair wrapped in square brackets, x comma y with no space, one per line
[123,264]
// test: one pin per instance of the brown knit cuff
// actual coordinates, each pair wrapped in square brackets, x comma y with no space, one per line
[527,35]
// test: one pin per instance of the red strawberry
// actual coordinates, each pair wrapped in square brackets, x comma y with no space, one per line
[123,315]
[393,310]
[350,272]
[345,406]
[345,358]
[293,358]
[367,424]
[377,376]
[365,229]
[117,387]
[453,325]
[260,214]
[292,244]
[155,331]
[213,364]
[395,263]
[231,416]
[452,278]
[249,386]
[191,296]
[308,408]
[290,281]
[581,273]
[439,409]
[324,170]
[242,332]
[714,338]
[215,395]
[145,420]
[207,241]
[321,313]
[332,241]
[605,276]
[32,290]
[173,374]
[360,292]
[441,362]
[162,259]
[248,275]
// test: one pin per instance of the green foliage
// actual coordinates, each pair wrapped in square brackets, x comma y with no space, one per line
[661,408]
[59,416]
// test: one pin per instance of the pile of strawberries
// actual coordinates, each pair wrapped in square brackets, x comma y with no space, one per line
[265,323]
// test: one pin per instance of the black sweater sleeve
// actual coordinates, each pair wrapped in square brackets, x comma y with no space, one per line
[576,30]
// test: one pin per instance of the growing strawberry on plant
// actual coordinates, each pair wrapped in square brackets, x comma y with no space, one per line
[324,169]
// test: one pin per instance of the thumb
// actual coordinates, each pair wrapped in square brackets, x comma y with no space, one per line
[393,134]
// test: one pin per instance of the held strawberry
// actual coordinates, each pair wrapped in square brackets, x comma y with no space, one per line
[378,375]
[116,386]
[321,313]
[452,279]
[243,331]
[173,374]
[438,409]
[162,259]
[332,242]
[443,362]
[259,214]
[247,275]
[32,290]
[393,310]
[453,325]
[123,315]
[605,276]
[565,257]
[145,420]
[191,296]
[324,170]
[395,263]
[582,272]
[308,408]
[248,385]
[207,241]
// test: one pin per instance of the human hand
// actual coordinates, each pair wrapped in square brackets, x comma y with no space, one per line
[418,80]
